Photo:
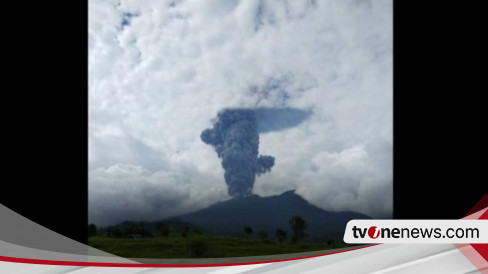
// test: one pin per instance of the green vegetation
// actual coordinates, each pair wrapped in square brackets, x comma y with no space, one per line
[177,239]
[201,246]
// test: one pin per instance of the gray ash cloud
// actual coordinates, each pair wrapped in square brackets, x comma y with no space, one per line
[235,137]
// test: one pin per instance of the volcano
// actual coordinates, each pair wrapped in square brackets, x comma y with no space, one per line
[269,214]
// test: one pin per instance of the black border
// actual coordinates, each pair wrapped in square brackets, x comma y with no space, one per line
[46,116]
[436,117]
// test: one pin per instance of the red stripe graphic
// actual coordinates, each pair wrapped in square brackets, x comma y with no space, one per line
[483,203]
[73,263]
[477,254]
[482,248]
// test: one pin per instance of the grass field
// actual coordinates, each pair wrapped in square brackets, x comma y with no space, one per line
[201,246]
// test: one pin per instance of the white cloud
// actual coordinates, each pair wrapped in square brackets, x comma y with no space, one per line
[156,83]
[129,192]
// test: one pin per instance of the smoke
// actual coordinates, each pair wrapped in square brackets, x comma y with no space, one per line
[235,138]
[276,119]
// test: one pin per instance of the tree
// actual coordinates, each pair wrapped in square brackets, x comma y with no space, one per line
[248,230]
[280,235]
[162,229]
[114,231]
[110,231]
[185,231]
[263,235]
[134,229]
[92,230]
[298,226]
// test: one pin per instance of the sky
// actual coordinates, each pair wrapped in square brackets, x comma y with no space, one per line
[160,71]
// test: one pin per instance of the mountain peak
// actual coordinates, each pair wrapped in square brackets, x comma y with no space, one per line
[269,214]
[291,192]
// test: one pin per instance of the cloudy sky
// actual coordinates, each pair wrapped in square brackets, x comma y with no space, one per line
[159,71]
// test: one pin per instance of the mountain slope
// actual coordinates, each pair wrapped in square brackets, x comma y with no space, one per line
[269,214]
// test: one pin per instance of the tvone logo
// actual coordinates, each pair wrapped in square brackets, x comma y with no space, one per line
[373,232]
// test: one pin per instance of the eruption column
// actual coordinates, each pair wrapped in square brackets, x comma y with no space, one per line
[236,140]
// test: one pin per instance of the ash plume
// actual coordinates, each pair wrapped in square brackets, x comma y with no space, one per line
[235,137]
[236,140]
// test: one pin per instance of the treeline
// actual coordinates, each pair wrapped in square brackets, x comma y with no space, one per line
[130,229]
[298,226]
[176,227]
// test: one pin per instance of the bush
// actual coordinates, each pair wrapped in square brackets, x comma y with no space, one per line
[248,230]
[162,229]
[197,249]
[280,235]
[92,230]
[263,235]
[185,231]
